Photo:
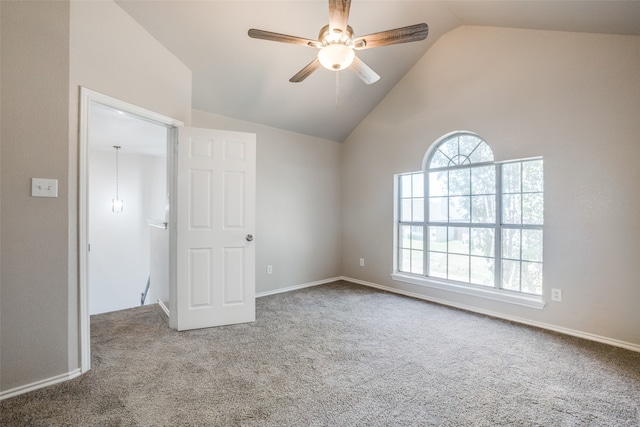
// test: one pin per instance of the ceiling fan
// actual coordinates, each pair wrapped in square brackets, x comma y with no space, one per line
[337,43]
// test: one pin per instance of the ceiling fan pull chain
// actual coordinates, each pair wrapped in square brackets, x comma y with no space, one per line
[337,88]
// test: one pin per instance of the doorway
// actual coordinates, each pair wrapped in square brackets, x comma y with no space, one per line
[211,249]
[128,201]
[99,155]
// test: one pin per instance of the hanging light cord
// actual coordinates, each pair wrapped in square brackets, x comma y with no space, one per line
[117,147]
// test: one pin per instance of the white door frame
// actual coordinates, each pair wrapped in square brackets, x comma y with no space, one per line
[88,96]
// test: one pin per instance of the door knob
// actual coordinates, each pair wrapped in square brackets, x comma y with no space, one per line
[249,237]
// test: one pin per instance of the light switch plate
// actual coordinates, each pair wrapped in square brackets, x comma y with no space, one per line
[41,187]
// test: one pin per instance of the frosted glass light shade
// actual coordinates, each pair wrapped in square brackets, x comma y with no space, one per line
[336,56]
[117,205]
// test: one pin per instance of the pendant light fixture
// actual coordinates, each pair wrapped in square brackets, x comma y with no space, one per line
[117,204]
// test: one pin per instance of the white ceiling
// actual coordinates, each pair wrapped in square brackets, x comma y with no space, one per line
[248,79]
[109,127]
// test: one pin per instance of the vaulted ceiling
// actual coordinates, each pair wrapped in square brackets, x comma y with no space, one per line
[248,79]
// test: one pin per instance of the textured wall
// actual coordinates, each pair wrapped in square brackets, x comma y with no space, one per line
[573,99]
[297,203]
[35,132]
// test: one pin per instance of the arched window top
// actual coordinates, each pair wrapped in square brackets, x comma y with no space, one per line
[459,149]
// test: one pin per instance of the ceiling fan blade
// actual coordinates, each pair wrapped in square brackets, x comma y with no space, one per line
[363,71]
[412,33]
[305,72]
[339,15]
[283,38]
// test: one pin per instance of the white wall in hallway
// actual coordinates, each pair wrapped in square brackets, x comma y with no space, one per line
[119,257]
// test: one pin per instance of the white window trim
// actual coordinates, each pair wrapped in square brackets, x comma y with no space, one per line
[525,300]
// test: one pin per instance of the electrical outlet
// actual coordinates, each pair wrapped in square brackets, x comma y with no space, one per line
[269,269]
[556,295]
[361,262]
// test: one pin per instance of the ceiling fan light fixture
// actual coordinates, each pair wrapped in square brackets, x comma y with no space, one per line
[336,56]
[337,43]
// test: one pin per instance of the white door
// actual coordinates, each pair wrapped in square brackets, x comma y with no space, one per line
[215,223]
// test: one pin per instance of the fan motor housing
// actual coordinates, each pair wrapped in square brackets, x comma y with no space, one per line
[326,38]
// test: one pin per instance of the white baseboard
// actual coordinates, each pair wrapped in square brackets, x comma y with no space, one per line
[40,384]
[541,325]
[163,307]
[296,287]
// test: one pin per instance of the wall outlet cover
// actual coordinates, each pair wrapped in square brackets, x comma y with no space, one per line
[41,187]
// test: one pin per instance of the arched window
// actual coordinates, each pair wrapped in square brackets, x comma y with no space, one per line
[458,149]
[466,219]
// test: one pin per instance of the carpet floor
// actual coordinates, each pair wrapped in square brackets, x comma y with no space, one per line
[338,355]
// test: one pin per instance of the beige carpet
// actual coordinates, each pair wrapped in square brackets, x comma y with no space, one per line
[339,355]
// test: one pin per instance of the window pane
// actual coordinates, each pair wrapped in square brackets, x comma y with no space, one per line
[468,143]
[438,239]
[532,176]
[511,244]
[511,178]
[438,183]
[482,271]
[405,185]
[459,240]
[418,185]
[416,262]
[532,245]
[418,210]
[483,209]
[532,208]
[450,148]
[511,205]
[438,265]
[483,242]
[438,160]
[459,268]
[532,278]
[482,154]
[417,241]
[483,180]
[405,236]
[438,209]
[405,260]
[459,182]
[459,209]
[405,210]
[511,275]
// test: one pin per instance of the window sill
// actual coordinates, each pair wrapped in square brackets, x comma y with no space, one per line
[530,301]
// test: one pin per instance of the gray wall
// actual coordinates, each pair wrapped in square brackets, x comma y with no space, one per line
[34,233]
[298,209]
[48,50]
[572,98]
